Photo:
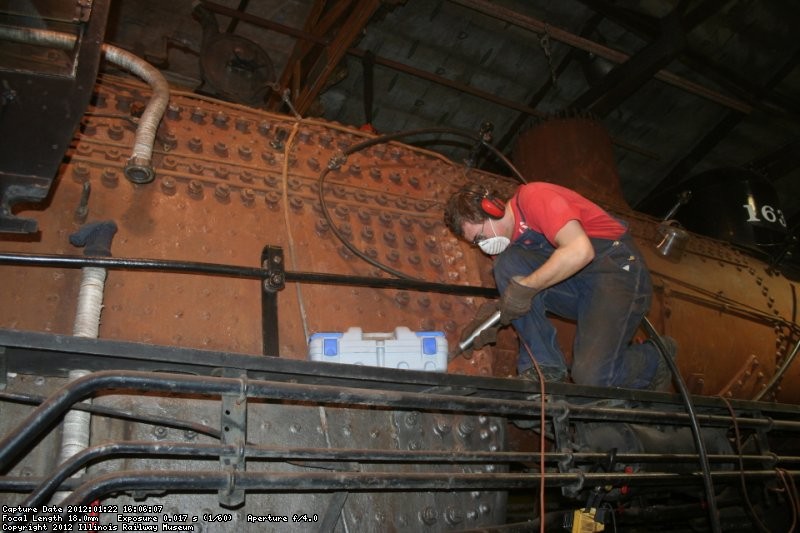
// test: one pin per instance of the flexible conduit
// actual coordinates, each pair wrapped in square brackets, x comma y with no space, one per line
[139,168]
[76,429]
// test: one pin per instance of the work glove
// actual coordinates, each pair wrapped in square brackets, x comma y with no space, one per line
[487,336]
[515,301]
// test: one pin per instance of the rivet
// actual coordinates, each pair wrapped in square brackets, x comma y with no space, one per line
[112,154]
[116,132]
[371,252]
[304,136]
[296,203]
[346,230]
[410,240]
[245,152]
[325,140]
[313,163]
[424,302]
[246,176]
[268,158]
[221,120]
[342,211]
[196,168]
[242,125]
[195,189]
[453,516]
[393,256]
[221,149]
[272,198]
[173,112]
[248,196]
[402,298]
[414,259]
[222,192]
[109,178]
[221,172]
[198,116]
[465,428]
[322,226]
[414,182]
[405,222]
[195,145]
[395,178]
[390,238]
[445,305]
[170,163]
[375,173]
[441,427]
[360,196]
[422,207]
[363,215]
[168,186]
[345,253]
[385,218]
[80,172]
[160,432]
[381,199]
[435,261]
[295,428]
[264,127]
[270,181]
[428,516]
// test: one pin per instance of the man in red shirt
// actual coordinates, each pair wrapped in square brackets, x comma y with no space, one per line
[555,251]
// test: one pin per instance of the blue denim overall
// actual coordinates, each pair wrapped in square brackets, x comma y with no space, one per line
[607,299]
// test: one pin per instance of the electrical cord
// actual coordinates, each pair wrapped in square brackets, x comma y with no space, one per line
[708,484]
[541,434]
[339,159]
[753,516]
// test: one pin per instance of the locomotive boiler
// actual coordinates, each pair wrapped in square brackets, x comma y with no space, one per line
[159,294]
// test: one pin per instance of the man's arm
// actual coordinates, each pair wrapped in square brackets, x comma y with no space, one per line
[573,252]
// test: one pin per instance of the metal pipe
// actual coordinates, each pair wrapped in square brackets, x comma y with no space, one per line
[139,168]
[162,265]
[50,411]
[166,480]
[149,449]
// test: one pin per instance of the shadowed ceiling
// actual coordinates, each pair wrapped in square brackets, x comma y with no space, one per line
[683,87]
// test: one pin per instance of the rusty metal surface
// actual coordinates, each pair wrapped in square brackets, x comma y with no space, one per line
[229,181]
[731,315]
[232,179]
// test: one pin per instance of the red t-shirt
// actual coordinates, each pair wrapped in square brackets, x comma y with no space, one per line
[547,207]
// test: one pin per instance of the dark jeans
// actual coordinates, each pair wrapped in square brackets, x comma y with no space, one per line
[607,299]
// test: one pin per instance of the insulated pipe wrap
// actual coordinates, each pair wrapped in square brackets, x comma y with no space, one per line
[139,168]
[90,302]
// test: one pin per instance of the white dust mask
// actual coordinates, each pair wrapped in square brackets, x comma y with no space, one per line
[494,245]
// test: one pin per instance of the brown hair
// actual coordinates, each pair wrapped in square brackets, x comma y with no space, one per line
[465,206]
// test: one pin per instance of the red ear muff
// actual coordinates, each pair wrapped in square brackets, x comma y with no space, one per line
[493,207]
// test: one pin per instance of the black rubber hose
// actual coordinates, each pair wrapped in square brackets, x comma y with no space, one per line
[708,484]
[339,159]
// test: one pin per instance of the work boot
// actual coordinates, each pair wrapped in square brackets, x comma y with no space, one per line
[662,381]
